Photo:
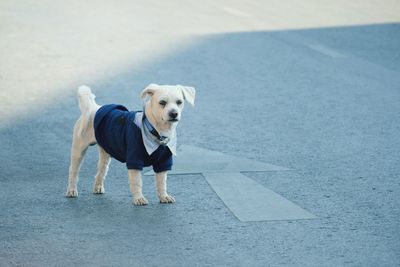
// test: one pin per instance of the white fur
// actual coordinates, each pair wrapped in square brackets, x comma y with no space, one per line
[161,186]
[158,115]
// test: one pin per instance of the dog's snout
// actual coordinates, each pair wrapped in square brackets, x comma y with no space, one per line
[173,114]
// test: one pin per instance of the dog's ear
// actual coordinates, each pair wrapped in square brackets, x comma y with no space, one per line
[189,93]
[148,92]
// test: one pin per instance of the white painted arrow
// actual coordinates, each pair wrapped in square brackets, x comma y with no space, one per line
[247,199]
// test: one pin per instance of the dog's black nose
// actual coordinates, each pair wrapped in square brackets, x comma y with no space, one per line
[173,114]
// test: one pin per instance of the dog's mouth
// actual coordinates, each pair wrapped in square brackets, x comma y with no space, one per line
[173,120]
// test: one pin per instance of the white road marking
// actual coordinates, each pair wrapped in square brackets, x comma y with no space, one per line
[250,201]
[198,160]
[247,199]
[191,159]
[325,50]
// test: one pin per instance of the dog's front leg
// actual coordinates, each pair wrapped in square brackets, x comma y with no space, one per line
[135,183]
[161,184]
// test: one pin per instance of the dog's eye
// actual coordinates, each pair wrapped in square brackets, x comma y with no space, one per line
[163,103]
[179,102]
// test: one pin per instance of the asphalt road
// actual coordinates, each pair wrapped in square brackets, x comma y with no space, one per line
[311,87]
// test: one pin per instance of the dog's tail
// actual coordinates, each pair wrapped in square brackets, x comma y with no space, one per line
[86,98]
[86,103]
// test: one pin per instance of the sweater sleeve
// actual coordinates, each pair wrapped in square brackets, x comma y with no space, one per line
[134,147]
[164,163]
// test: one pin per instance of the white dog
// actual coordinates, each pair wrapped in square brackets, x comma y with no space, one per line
[140,138]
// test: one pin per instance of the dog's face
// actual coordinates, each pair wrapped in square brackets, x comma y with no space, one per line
[164,103]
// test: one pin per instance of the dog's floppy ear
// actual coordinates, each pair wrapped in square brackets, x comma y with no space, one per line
[148,91]
[188,93]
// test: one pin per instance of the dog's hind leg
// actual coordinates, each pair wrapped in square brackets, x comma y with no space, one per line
[83,136]
[102,169]
[78,151]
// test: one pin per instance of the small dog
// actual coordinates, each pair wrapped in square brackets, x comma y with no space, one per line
[140,139]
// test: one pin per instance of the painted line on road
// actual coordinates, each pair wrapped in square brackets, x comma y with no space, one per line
[247,199]
[250,201]
[326,50]
[191,159]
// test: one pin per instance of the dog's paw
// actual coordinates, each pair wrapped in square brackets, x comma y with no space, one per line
[140,201]
[98,189]
[167,199]
[72,193]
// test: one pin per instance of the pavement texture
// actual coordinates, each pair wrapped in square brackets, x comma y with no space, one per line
[311,87]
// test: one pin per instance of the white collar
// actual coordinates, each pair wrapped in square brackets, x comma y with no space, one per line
[149,140]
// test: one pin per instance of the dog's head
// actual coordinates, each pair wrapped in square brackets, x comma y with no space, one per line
[164,103]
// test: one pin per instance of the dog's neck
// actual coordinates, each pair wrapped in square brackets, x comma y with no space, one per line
[164,128]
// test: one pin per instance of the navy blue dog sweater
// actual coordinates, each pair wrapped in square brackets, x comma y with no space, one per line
[117,133]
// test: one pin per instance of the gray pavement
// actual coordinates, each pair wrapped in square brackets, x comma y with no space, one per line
[308,88]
